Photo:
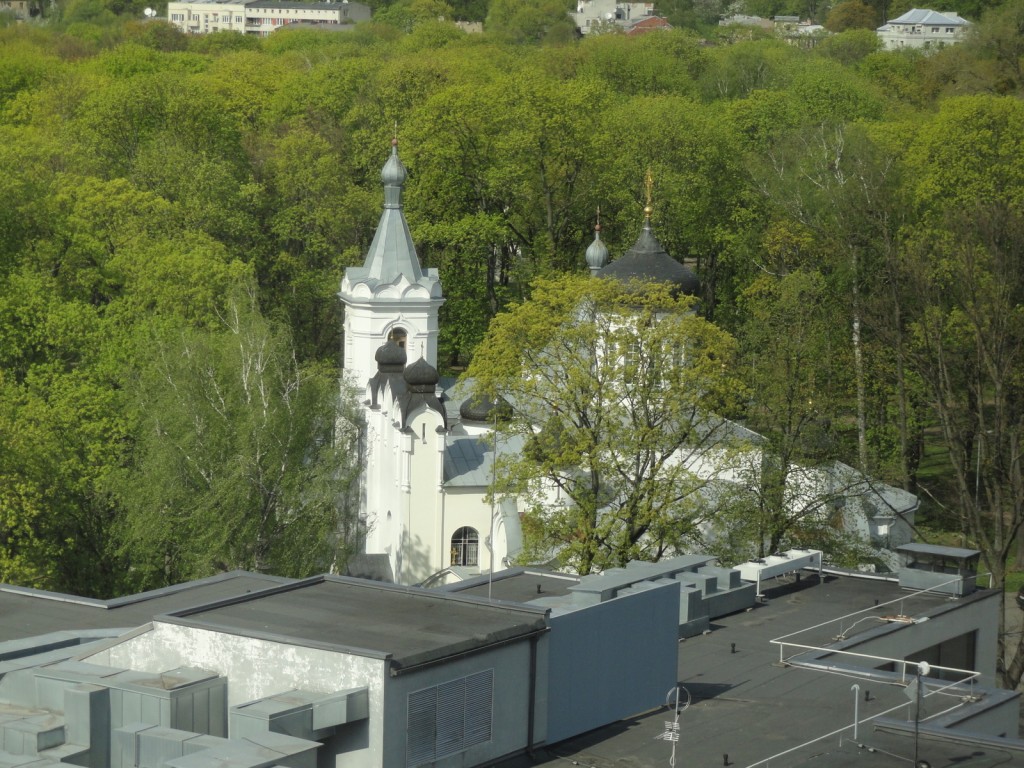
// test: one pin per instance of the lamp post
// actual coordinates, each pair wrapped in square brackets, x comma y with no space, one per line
[923,668]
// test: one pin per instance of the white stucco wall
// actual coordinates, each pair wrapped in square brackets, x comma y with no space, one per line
[257,668]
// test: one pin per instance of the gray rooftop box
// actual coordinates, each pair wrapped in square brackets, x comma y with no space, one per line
[944,570]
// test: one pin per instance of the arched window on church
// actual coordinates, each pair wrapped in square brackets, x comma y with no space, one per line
[466,547]
[398,335]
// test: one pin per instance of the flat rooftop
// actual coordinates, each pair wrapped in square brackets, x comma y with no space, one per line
[30,612]
[520,585]
[747,705]
[407,624]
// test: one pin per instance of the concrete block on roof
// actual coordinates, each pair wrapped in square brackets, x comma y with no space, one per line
[159,745]
[705,582]
[23,761]
[342,707]
[203,742]
[87,714]
[74,754]
[124,745]
[32,734]
[731,601]
[728,578]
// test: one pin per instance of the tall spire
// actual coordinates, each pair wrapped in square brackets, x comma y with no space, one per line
[392,252]
[390,294]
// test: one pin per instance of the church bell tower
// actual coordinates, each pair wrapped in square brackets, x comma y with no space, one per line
[390,297]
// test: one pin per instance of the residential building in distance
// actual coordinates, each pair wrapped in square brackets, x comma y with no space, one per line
[17,8]
[592,15]
[260,17]
[922,28]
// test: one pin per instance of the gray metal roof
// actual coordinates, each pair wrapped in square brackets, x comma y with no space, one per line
[410,625]
[925,17]
[392,254]
[469,459]
[938,549]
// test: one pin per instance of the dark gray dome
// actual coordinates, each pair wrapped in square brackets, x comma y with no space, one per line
[390,357]
[421,376]
[648,261]
[476,408]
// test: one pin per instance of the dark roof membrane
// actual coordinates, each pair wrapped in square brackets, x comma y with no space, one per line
[648,261]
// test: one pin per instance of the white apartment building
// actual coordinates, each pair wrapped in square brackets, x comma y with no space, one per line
[201,17]
[922,28]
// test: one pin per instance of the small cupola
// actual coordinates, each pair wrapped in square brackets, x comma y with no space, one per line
[421,376]
[597,251]
[390,357]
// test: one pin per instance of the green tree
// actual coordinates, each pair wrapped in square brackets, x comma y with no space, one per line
[616,393]
[529,21]
[851,14]
[964,257]
[793,356]
[243,457]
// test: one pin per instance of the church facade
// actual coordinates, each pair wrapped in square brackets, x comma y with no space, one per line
[428,456]
[429,446]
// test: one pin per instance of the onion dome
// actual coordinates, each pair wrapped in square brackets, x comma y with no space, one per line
[597,251]
[393,174]
[648,261]
[390,357]
[477,408]
[421,376]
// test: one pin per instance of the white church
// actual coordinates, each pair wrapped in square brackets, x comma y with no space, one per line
[428,456]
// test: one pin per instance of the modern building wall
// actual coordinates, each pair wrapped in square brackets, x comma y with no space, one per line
[612,660]
[518,673]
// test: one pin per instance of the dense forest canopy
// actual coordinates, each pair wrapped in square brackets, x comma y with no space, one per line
[178,213]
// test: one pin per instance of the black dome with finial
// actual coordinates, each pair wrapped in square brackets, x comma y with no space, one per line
[390,357]
[648,261]
[421,376]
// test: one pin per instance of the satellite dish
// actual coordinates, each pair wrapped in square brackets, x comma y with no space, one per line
[150,13]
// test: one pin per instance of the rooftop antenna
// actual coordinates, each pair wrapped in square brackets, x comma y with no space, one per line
[671,732]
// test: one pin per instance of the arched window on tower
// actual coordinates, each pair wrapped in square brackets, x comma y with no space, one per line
[466,547]
[398,335]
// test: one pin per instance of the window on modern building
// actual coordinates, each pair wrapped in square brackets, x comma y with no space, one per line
[449,718]
[466,547]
